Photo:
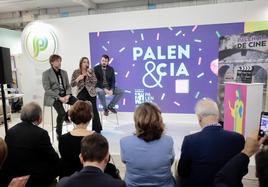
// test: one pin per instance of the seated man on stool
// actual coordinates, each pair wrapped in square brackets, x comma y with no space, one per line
[57,90]
[106,85]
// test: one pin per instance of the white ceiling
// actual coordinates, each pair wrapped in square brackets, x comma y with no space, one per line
[15,14]
[20,5]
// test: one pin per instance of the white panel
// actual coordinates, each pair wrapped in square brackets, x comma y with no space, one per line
[253,107]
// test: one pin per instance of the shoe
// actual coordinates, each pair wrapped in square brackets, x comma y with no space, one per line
[112,110]
[106,112]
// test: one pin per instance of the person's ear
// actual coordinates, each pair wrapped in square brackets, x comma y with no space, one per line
[81,158]
[107,158]
[199,118]
[40,120]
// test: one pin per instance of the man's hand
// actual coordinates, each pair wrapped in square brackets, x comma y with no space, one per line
[67,98]
[108,92]
[62,99]
[252,144]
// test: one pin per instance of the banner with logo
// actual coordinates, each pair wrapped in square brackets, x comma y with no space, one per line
[39,41]
[171,66]
[244,51]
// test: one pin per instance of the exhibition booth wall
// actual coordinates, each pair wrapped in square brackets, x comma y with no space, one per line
[73,37]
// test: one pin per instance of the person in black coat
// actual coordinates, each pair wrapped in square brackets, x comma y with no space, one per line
[232,173]
[30,151]
[106,85]
[94,157]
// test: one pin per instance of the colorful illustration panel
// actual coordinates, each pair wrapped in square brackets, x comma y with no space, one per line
[234,107]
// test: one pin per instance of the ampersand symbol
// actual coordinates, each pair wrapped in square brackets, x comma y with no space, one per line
[149,73]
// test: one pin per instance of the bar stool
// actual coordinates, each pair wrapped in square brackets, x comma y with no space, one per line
[52,120]
[102,116]
[108,100]
[66,107]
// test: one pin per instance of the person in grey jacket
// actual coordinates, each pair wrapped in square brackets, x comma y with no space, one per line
[57,90]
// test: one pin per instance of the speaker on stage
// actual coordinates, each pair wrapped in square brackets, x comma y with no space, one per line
[5,66]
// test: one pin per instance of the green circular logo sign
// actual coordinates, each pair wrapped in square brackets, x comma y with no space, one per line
[40,42]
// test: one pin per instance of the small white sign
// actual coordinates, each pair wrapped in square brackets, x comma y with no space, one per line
[182,86]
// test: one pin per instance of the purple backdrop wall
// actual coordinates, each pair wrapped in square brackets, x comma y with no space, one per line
[172,66]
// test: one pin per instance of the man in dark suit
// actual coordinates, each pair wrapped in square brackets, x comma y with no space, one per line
[106,85]
[94,157]
[30,151]
[204,153]
[57,90]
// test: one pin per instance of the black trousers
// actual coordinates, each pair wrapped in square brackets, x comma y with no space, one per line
[62,114]
[84,96]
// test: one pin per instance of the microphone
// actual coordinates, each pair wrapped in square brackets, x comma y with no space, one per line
[87,66]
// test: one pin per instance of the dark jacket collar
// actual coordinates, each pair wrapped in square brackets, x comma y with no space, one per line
[212,127]
[91,169]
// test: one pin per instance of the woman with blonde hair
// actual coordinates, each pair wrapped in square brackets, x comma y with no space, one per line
[85,81]
[148,154]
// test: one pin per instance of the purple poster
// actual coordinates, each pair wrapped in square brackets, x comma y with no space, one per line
[172,66]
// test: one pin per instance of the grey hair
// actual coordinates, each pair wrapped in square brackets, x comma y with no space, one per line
[206,107]
[31,112]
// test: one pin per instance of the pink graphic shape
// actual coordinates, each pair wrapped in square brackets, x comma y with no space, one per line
[214,66]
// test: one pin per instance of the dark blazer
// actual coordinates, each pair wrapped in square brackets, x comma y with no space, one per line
[204,153]
[29,153]
[52,87]
[90,176]
[110,77]
[232,173]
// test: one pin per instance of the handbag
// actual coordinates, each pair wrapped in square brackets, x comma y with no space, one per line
[111,169]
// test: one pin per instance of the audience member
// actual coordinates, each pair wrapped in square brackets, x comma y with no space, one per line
[94,157]
[232,173]
[3,152]
[106,85]
[69,144]
[148,154]
[204,153]
[57,90]
[84,80]
[30,151]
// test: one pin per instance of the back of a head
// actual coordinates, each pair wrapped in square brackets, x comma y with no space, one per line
[3,152]
[31,112]
[261,159]
[148,122]
[206,107]
[81,112]
[94,148]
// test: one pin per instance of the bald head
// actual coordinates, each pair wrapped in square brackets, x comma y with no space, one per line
[207,111]
[31,112]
